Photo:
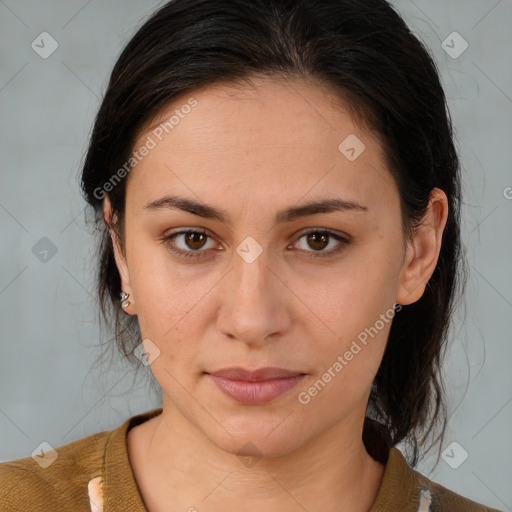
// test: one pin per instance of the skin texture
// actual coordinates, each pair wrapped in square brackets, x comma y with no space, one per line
[253,151]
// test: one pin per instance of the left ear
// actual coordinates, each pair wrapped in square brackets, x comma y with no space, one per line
[422,252]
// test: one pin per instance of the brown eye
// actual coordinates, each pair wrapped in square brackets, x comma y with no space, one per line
[193,243]
[195,240]
[189,243]
[317,240]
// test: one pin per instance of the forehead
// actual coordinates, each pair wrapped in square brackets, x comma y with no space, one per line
[267,139]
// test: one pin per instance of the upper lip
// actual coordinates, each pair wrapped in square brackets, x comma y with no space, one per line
[260,374]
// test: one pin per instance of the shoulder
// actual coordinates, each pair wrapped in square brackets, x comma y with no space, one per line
[406,490]
[429,496]
[403,488]
[442,499]
[54,480]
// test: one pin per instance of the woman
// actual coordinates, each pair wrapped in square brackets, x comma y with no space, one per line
[278,194]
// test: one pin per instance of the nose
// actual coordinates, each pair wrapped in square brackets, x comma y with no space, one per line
[255,301]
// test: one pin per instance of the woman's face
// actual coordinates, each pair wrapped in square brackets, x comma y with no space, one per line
[262,284]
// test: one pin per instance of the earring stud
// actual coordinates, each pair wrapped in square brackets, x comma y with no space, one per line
[124,302]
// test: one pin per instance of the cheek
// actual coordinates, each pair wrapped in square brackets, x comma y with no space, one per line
[163,291]
[357,305]
[346,367]
[172,307]
[356,292]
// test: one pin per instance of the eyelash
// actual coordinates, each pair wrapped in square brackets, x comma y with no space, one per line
[168,241]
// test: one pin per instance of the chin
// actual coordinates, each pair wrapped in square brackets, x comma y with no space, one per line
[256,439]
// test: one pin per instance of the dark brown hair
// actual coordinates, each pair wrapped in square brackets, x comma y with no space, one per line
[365,52]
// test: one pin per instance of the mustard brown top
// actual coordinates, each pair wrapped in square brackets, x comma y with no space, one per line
[93,474]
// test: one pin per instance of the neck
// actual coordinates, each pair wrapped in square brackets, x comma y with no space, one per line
[174,462]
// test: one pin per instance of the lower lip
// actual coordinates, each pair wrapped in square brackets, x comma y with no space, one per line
[255,393]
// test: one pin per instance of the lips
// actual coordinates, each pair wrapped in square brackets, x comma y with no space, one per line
[255,387]
[261,374]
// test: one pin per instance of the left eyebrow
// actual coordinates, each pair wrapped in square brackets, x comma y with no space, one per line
[287,215]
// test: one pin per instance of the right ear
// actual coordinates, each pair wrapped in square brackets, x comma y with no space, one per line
[122,266]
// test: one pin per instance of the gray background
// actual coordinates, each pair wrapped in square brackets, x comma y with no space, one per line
[52,391]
